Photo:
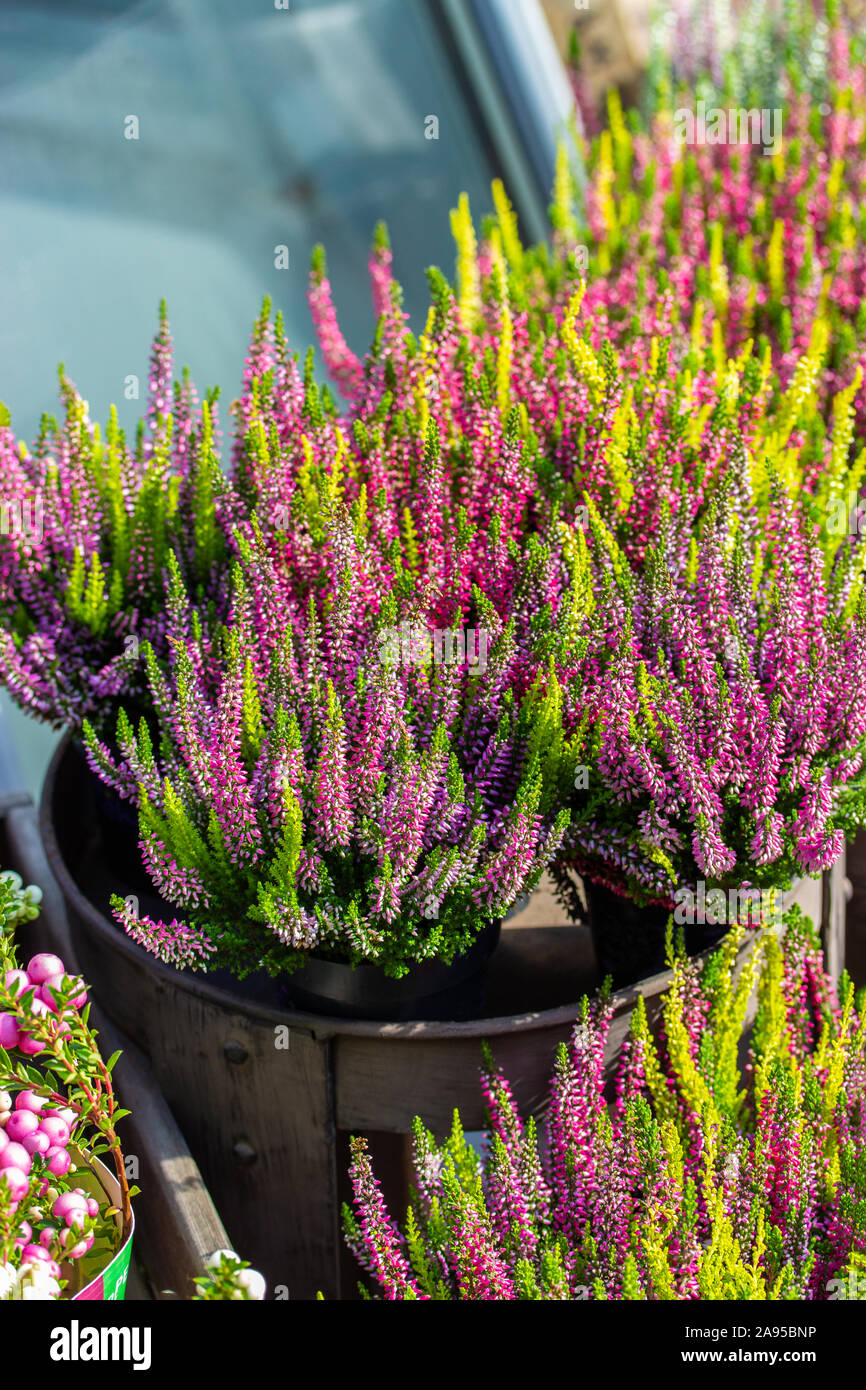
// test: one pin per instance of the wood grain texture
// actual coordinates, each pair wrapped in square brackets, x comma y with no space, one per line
[177,1224]
[263,1131]
[835,890]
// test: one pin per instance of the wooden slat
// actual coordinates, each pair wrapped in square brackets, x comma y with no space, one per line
[50,931]
[262,1129]
[833,928]
[177,1224]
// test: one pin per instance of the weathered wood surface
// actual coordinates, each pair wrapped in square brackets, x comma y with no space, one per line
[855,920]
[177,1224]
[836,890]
[259,1118]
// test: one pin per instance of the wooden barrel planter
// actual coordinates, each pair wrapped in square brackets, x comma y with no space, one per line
[267,1096]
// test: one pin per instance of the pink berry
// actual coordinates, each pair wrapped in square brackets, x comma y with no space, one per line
[29,1100]
[68,1201]
[78,1250]
[76,1217]
[14,1156]
[5,1101]
[16,981]
[9,1031]
[30,1046]
[20,1124]
[55,982]
[3,1140]
[46,1235]
[58,1162]
[92,1207]
[43,966]
[37,1143]
[56,1129]
[17,1182]
[25,1230]
[34,1253]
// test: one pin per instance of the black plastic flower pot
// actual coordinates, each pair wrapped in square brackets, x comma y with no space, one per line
[91,838]
[629,940]
[430,990]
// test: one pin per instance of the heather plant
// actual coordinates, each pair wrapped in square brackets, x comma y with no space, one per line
[496,424]
[735,238]
[713,675]
[311,790]
[58,1111]
[88,523]
[697,1178]
[720,703]
[703,618]
[695,257]
[749,47]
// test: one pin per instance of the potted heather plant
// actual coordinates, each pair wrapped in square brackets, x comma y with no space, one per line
[723,731]
[88,523]
[705,1179]
[756,234]
[326,499]
[326,805]
[65,1218]
[674,508]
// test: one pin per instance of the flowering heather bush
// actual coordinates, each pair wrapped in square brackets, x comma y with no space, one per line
[700,1181]
[721,702]
[706,628]
[707,249]
[714,674]
[719,46]
[494,425]
[308,794]
[734,243]
[57,1110]
[88,524]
